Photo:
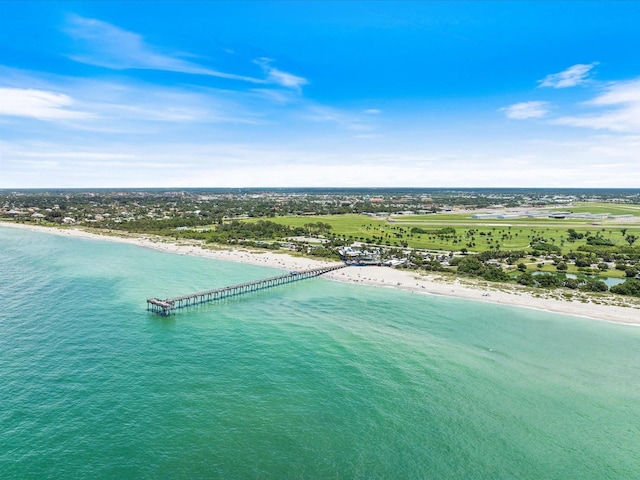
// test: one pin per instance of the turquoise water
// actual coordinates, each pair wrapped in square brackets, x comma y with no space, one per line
[315,379]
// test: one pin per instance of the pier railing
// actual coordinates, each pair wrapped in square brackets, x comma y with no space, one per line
[170,305]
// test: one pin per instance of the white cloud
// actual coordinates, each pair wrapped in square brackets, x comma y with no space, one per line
[109,46]
[572,76]
[286,79]
[373,111]
[623,98]
[524,110]
[40,104]
[134,108]
[623,120]
[619,93]
[112,47]
[279,77]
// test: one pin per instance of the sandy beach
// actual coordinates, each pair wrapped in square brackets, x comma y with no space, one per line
[612,308]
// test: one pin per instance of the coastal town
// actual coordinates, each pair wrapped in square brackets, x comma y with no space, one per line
[106,207]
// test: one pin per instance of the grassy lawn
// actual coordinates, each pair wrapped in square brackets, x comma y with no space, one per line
[472,234]
[594,207]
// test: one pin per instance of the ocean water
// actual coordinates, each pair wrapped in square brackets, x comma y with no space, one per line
[314,379]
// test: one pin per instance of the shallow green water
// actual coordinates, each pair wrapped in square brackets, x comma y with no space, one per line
[311,380]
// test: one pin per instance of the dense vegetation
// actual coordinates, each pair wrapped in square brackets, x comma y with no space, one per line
[630,287]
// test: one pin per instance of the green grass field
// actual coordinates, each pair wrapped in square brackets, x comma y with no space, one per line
[596,207]
[473,234]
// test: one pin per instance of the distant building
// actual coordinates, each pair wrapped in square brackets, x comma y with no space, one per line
[356,255]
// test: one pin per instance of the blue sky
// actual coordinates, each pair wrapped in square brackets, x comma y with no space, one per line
[304,94]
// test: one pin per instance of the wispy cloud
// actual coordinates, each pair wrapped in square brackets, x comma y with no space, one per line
[367,135]
[279,77]
[622,114]
[172,105]
[524,110]
[39,104]
[275,95]
[619,93]
[571,77]
[346,120]
[120,106]
[111,47]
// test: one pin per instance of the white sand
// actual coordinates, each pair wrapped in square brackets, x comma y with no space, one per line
[608,307]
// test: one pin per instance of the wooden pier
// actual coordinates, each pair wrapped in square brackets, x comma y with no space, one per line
[170,305]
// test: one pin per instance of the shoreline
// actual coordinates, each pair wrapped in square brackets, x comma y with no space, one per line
[574,303]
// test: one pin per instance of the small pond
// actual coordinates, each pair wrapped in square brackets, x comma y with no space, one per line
[609,281]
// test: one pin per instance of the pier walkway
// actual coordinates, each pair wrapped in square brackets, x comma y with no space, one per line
[168,306]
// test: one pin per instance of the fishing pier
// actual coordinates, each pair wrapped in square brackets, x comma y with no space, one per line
[170,305]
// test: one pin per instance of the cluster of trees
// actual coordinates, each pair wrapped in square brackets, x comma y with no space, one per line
[440,231]
[630,287]
[542,247]
[260,230]
[317,228]
[510,257]
[573,235]
[418,261]
[324,252]
[600,241]
[474,267]
[159,226]
[550,280]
